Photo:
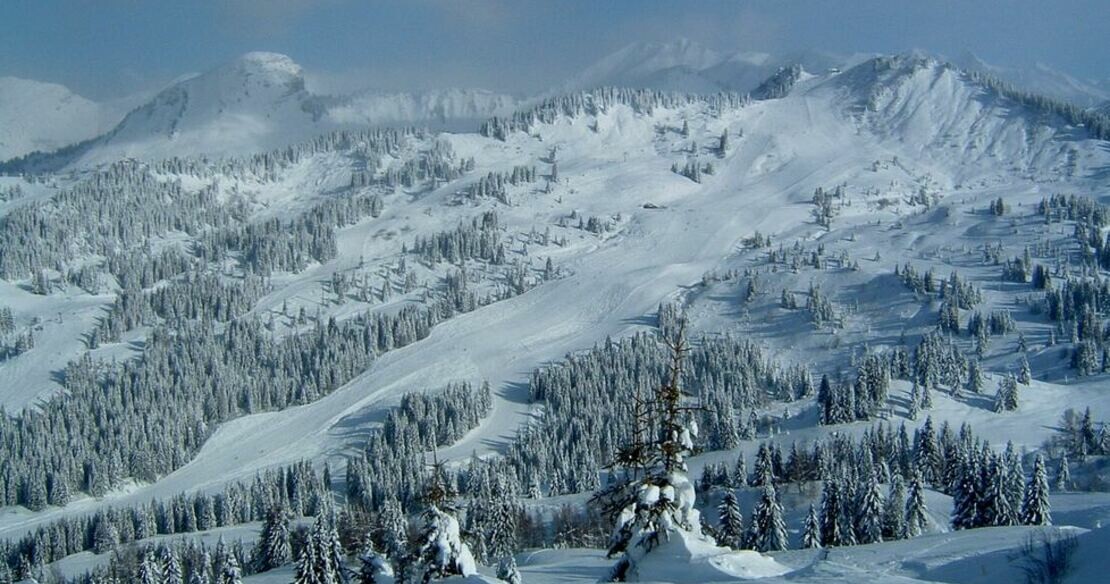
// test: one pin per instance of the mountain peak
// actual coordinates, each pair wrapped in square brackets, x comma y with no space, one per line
[264,69]
[266,62]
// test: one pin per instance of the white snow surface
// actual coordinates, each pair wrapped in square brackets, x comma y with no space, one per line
[886,133]
[40,116]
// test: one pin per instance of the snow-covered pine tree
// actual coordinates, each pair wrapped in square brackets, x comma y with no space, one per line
[975,381]
[1025,373]
[657,503]
[764,467]
[440,550]
[997,508]
[965,496]
[1063,474]
[393,527]
[730,527]
[230,572]
[272,550]
[1006,400]
[307,566]
[171,567]
[372,566]
[917,512]
[507,570]
[740,473]
[149,572]
[200,569]
[811,531]
[1015,483]
[1035,509]
[831,510]
[768,528]
[894,518]
[869,514]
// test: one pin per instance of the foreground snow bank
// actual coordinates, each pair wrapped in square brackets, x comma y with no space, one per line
[688,558]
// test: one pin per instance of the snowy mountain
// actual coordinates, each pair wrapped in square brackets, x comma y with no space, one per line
[37,116]
[684,65]
[255,103]
[671,66]
[891,272]
[1041,79]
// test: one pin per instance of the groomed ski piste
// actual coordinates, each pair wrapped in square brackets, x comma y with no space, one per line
[918,127]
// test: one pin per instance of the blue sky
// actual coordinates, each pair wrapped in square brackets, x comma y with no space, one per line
[106,48]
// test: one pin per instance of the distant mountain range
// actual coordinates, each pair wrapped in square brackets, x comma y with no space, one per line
[259,101]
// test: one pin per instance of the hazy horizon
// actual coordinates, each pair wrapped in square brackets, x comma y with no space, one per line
[122,47]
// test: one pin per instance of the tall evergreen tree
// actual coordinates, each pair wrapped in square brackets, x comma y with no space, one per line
[440,550]
[150,572]
[811,531]
[768,527]
[1035,509]
[730,528]
[272,550]
[965,497]
[1063,474]
[231,573]
[917,517]
[869,515]
[171,568]
[894,518]
[660,502]
[831,510]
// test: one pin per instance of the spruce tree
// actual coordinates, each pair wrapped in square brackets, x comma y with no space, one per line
[231,573]
[393,527]
[150,572]
[1063,474]
[740,473]
[649,509]
[975,381]
[811,531]
[965,498]
[1006,399]
[730,528]
[768,527]
[1025,374]
[869,515]
[171,568]
[440,550]
[1035,509]
[917,517]
[831,510]
[273,549]
[894,518]
[998,510]
[764,467]
[307,566]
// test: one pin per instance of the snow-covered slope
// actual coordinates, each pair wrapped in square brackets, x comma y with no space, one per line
[888,129]
[1041,79]
[247,105]
[38,116]
[932,106]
